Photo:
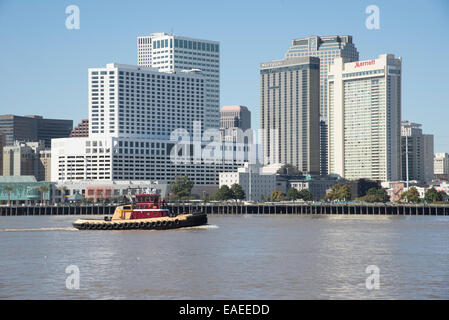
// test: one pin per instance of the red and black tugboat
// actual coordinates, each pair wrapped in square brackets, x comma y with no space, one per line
[149,213]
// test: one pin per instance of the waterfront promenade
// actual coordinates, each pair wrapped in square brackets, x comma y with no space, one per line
[241,208]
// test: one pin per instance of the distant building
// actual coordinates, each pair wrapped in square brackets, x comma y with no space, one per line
[290,115]
[23,159]
[233,118]
[255,184]
[2,144]
[441,166]
[417,153]
[44,165]
[318,186]
[81,130]
[33,128]
[364,118]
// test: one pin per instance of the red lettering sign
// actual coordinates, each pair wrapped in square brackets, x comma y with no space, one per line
[364,63]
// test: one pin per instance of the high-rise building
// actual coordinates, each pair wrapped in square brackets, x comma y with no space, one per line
[233,118]
[441,166]
[33,128]
[364,118]
[170,53]
[327,49]
[134,113]
[81,130]
[290,120]
[417,153]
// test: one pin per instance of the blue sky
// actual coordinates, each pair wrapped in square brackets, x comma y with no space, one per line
[43,65]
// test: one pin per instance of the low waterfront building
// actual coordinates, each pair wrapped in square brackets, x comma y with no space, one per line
[25,189]
[318,185]
[256,184]
[96,191]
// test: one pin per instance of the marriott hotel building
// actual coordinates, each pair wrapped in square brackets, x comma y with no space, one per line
[364,114]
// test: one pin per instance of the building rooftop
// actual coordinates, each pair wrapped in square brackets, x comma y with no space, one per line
[13,179]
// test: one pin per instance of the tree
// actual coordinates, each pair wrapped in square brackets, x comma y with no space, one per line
[224,193]
[411,195]
[277,195]
[305,195]
[339,192]
[432,195]
[181,187]
[292,194]
[375,195]
[237,192]
[43,189]
[8,189]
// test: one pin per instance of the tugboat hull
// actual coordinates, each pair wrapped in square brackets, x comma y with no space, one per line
[162,223]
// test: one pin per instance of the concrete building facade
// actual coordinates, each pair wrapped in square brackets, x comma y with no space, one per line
[364,119]
[290,119]
[171,53]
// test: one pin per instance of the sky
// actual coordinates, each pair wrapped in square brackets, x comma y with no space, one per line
[43,65]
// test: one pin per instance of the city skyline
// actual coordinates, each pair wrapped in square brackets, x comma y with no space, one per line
[72,52]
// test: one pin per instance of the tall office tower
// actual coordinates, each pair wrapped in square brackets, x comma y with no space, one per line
[327,49]
[134,114]
[33,128]
[417,153]
[81,130]
[233,118]
[364,118]
[441,166]
[290,120]
[170,53]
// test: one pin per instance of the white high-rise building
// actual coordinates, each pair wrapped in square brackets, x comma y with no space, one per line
[170,53]
[364,117]
[134,113]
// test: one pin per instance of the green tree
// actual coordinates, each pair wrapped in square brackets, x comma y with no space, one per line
[181,187]
[411,195]
[432,195]
[237,192]
[292,194]
[376,195]
[9,189]
[224,193]
[305,195]
[277,195]
[339,192]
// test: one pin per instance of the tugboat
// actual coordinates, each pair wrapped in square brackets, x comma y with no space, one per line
[150,213]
